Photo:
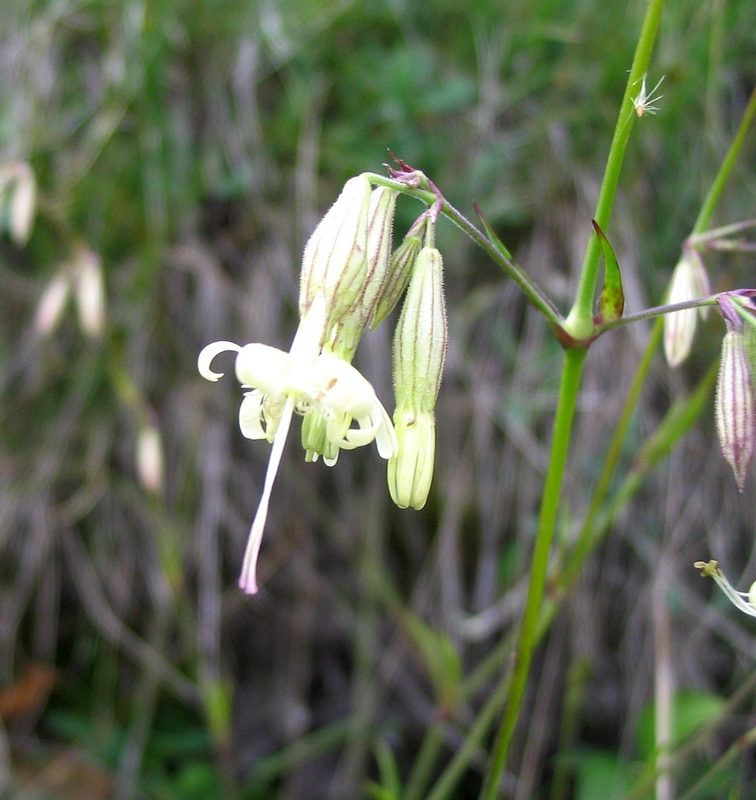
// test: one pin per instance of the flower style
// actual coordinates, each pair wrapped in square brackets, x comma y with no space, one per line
[299,381]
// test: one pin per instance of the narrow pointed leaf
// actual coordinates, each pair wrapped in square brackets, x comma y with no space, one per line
[491,233]
[440,657]
[612,300]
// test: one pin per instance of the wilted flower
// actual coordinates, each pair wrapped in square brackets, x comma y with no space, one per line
[689,282]
[419,355]
[745,601]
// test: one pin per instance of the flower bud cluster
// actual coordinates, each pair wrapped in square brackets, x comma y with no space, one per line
[350,280]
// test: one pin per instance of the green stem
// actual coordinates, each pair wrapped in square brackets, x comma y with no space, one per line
[583,546]
[734,751]
[425,761]
[445,785]
[712,198]
[579,323]
[530,289]
[657,311]
[572,370]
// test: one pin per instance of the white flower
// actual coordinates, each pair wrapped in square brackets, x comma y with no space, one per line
[300,381]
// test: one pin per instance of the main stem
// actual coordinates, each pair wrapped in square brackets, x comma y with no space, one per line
[579,322]
[572,370]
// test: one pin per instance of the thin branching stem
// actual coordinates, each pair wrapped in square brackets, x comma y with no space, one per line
[532,291]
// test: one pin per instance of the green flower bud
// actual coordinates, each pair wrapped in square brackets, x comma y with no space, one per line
[399,271]
[334,262]
[420,339]
[419,354]
[734,406]
[689,282]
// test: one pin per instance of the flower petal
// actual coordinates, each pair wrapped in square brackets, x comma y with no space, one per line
[385,437]
[251,415]
[207,355]
[263,367]
[248,578]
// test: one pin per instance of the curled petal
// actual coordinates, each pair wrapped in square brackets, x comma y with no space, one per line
[385,437]
[207,355]
[358,437]
[252,416]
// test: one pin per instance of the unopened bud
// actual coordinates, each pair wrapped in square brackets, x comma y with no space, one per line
[420,339]
[335,262]
[149,459]
[734,406]
[419,355]
[90,292]
[689,282]
[52,303]
[399,271]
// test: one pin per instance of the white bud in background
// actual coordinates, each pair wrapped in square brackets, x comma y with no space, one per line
[149,459]
[689,282]
[52,303]
[89,289]
[18,185]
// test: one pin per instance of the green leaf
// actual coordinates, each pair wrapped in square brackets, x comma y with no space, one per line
[600,775]
[491,233]
[690,710]
[390,787]
[440,657]
[612,299]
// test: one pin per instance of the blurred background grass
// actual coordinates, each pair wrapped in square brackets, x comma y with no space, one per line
[191,146]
